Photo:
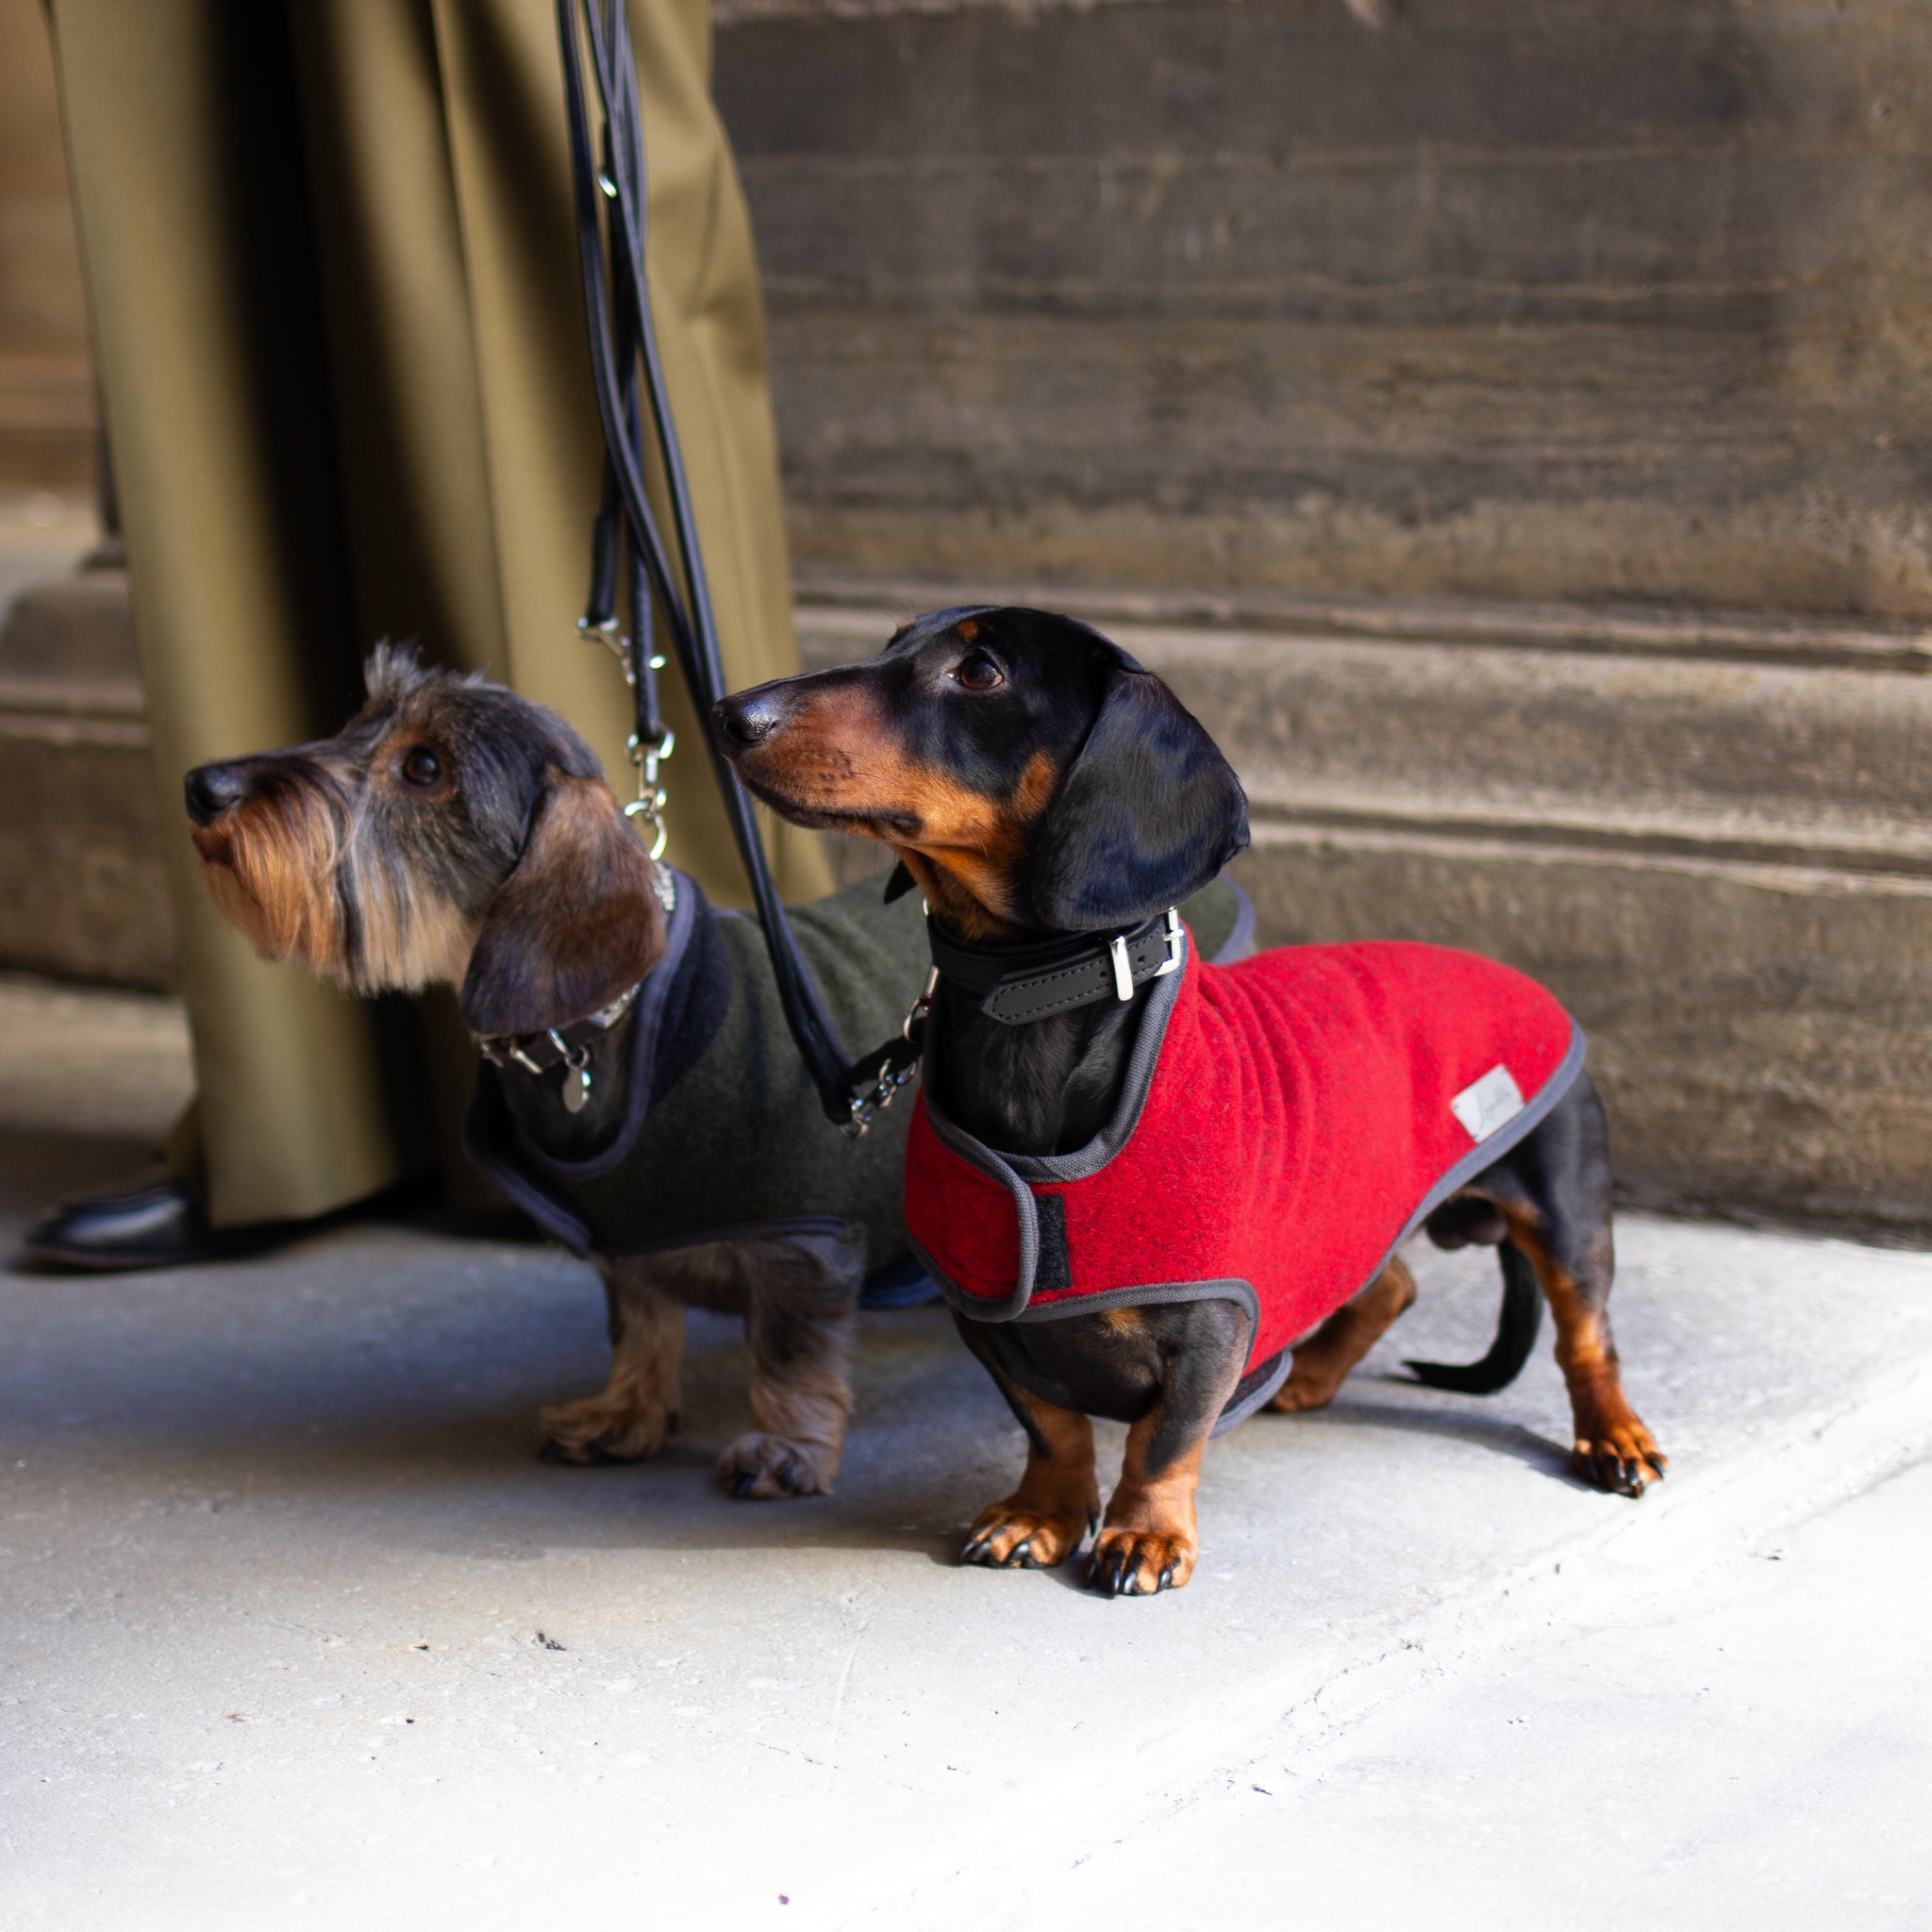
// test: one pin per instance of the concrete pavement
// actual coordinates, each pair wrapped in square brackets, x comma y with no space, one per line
[1744,1747]
[295,1630]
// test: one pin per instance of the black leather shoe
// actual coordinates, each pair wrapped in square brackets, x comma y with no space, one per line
[159,1226]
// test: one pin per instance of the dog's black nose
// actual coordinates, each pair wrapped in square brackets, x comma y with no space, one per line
[745,720]
[211,790]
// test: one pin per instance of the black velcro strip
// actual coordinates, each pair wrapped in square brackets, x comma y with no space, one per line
[1054,1266]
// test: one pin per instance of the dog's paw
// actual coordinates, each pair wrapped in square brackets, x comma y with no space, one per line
[1003,1538]
[1137,1562]
[758,1466]
[1622,1458]
[1304,1391]
[606,1427]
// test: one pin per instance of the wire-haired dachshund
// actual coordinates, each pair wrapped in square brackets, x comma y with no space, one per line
[639,1095]
[1101,1113]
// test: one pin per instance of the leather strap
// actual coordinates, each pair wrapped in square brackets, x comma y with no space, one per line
[628,379]
[1018,983]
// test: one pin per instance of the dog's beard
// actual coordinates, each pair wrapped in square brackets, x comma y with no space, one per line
[271,872]
[300,884]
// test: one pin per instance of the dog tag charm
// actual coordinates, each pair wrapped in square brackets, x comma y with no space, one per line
[577,1085]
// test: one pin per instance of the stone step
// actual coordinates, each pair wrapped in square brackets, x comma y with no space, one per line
[83,894]
[49,428]
[1529,301]
[1708,835]
[1804,750]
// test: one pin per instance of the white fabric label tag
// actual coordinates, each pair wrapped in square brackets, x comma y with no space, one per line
[1493,1101]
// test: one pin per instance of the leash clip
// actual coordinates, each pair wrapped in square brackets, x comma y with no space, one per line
[898,1066]
[650,799]
[916,1012]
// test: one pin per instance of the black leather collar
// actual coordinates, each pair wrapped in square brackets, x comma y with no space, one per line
[1017,984]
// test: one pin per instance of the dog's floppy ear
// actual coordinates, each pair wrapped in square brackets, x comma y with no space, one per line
[1148,812]
[577,923]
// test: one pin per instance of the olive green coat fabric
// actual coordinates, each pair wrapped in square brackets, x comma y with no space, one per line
[332,279]
[738,1142]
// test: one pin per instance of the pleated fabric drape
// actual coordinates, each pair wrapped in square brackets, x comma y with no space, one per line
[333,283]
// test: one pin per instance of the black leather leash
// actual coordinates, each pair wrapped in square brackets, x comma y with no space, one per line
[610,200]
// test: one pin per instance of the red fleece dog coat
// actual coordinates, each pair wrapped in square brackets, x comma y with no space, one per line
[1285,1124]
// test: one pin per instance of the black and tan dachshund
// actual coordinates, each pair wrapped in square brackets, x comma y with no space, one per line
[1036,782]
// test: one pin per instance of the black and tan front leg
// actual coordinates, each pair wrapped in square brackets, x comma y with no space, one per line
[1149,1540]
[1058,1502]
[1322,1363]
[1057,1505]
[637,1410]
[800,1322]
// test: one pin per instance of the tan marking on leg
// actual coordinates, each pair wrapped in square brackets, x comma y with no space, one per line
[801,1321]
[1149,1540]
[1045,1520]
[630,1418]
[1613,1449]
[800,1409]
[1322,1361]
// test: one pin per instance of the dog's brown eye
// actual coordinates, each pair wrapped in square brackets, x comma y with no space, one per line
[422,766]
[978,672]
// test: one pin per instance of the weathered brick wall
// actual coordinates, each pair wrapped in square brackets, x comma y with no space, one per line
[1517,299]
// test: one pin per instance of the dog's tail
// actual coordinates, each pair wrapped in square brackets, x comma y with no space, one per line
[1520,1316]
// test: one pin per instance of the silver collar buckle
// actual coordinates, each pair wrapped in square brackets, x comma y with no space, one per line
[1124,967]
